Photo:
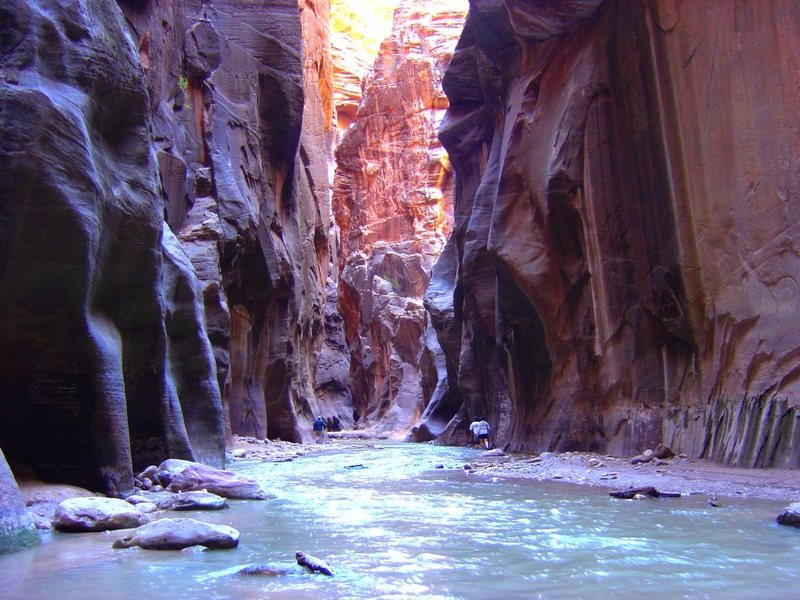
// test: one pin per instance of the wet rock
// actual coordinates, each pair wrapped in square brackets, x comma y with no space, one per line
[188,477]
[77,515]
[790,515]
[176,534]
[493,452]
[313,564]
[645,491]
[239,453]
[191,501]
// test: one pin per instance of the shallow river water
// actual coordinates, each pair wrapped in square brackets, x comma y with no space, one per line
[393,525]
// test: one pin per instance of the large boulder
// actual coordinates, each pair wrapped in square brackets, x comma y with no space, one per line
[175,534]
[188,477]
[96,514]
[17,529]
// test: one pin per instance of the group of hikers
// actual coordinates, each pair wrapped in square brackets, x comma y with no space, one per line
[479,429]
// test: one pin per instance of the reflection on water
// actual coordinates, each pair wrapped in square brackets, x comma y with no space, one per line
[392,525]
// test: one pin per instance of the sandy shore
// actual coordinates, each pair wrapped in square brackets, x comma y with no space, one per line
[684,475]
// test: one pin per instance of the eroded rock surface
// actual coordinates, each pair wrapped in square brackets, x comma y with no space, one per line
[241,98]
[392,200]
[104,357]
[623,269]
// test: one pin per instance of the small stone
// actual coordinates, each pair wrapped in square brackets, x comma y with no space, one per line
[147,483]
[239,453]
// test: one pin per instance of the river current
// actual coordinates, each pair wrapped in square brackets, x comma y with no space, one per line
[406,521]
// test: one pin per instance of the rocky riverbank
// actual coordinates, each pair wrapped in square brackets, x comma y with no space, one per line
[677,474]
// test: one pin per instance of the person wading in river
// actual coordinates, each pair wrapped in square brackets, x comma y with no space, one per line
[473,429]
[482,431]
[319,429]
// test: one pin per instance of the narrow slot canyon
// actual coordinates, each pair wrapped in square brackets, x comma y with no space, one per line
[221,220]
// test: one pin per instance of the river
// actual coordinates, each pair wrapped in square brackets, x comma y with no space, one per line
[406,521]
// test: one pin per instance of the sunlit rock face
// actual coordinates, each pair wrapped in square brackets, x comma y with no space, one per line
[242,104]
[104,358]
[392,201]
[357,30]
[623,269]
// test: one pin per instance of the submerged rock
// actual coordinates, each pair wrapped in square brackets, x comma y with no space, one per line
[176,534]
[96,514]
[263,569]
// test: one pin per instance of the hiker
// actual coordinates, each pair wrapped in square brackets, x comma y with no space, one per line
[319,429]
[482,431]
[473,429]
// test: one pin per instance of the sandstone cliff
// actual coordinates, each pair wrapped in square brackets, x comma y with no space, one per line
[242,106]
[623,269]
[392,201]
[104,358]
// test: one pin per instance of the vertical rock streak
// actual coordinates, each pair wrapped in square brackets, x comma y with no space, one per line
[623,269]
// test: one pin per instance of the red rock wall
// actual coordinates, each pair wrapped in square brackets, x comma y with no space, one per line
[623,267]
[392,199]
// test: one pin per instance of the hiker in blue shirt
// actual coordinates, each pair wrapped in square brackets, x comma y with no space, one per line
[319,429]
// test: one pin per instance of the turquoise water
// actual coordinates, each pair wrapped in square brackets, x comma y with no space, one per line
[392,525]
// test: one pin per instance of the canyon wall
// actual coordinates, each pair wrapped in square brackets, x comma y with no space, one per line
[392,200]
[241,98]
[624,265]
[165,230]
[105,362]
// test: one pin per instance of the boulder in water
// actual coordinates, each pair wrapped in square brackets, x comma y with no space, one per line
[647,491]
[313,564]
[191,501]
[790,515]
[176,534]
[96,514]
[188,476]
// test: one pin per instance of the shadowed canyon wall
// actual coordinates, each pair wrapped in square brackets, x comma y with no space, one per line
[393,200]
[241,96]
[104,359]
[165,230]
[624,265]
